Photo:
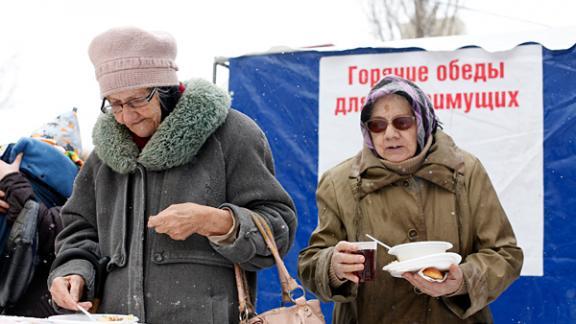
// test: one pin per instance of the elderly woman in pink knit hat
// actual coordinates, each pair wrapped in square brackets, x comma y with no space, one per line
[160,212]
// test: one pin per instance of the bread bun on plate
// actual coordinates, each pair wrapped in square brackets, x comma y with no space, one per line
[433,273]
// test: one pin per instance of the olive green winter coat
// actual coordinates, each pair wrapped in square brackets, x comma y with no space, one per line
[449,198]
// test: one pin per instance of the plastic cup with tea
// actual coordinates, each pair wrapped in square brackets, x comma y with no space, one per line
[368,250]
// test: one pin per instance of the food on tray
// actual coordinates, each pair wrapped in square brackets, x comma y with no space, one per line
[116,318]
[81,318]
[433,273]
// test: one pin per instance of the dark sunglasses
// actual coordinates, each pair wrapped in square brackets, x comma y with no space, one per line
[378,125]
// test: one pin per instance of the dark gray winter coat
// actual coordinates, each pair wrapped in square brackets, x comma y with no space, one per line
[203,152]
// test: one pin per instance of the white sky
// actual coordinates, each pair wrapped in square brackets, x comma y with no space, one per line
[45,70]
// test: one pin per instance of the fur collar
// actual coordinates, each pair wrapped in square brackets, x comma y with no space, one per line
[202,108]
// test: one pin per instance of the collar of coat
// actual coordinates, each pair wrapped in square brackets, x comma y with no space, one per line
[440,167]
[202,108]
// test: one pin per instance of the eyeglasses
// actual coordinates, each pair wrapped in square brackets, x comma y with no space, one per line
[378,125]
[118,107]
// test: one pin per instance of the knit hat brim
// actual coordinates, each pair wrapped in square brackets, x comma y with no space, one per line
[118,81]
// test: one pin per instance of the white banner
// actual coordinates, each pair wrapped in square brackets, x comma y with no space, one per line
[490,103]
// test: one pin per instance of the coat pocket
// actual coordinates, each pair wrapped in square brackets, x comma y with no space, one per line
[195,249]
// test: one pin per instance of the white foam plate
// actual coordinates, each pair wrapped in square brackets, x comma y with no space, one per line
[441,261]
[82,319]
[5,319]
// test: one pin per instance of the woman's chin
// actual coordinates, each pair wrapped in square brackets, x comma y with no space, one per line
[141,131]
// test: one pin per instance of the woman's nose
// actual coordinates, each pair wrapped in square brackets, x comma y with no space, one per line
[128,115]
[391,132]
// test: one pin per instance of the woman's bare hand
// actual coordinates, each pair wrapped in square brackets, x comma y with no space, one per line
[436,289]
[345,263]
[66,292]
[179,221]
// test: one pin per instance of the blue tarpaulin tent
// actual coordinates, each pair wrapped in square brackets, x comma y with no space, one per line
[280,91]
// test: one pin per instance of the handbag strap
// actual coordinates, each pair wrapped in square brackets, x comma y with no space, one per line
[245,306]
[287,283]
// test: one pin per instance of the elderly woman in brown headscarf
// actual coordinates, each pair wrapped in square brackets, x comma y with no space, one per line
[410,182]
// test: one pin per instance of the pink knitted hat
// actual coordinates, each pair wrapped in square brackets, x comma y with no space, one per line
[130,58]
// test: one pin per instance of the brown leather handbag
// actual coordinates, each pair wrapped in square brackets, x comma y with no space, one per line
[302,312]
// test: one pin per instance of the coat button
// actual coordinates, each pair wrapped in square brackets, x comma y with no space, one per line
[158,257]
[412,234]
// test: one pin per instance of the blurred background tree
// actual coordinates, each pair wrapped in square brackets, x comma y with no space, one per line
[400,19]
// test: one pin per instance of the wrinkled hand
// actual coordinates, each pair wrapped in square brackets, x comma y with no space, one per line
[66,292]
[436,289]
[344,263]
[6,169]
[179,221]
[3,204]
